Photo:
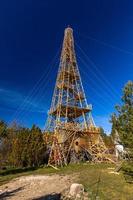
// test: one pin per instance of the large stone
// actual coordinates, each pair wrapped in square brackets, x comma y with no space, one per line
[76,190]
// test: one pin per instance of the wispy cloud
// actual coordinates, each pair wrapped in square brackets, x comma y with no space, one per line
[11,99]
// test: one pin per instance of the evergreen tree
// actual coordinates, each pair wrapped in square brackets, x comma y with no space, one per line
[106,138]
[3,143]
[3,129]
[28,148]
[122,120]
[19,144]
[37,147]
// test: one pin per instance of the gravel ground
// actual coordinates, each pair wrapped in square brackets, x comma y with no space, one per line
[35,187]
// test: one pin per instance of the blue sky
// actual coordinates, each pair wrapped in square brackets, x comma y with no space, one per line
[31,34]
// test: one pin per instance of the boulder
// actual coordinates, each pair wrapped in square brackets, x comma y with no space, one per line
[76,190]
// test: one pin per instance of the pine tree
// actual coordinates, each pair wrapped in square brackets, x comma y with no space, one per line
[28,148]
[37,147]
[122,120]
[3,129]
[3,144]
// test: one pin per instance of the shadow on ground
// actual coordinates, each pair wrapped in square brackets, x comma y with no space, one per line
[8,194]
[49,197]
[16,171]
[128,177]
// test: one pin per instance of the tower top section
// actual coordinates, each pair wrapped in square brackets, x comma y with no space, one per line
[68,30]
[68,52]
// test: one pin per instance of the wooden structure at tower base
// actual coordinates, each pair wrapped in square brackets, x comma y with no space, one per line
[73,145]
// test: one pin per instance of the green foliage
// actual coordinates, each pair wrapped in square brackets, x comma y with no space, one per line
[4,147]
[22,147]
[28,148]
[3,131]
[122,120]
[106,138]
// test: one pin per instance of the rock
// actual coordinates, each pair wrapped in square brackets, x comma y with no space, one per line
[76,190]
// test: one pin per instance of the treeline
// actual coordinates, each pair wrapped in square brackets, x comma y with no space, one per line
[21,147]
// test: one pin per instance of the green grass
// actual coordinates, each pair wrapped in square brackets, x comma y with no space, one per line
[95,177]
[128,171]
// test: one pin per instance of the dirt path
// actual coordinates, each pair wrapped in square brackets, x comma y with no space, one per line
[35,187]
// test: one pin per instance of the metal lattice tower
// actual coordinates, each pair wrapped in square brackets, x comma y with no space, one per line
[69,103]
[69,118]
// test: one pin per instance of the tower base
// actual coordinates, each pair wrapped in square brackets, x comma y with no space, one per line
[73,145]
